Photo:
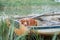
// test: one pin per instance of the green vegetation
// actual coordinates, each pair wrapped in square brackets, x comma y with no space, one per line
[24,7]
[28,2]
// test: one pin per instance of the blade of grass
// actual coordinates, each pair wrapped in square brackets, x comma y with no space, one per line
[11,31]
[3,29]
[55,35]
[21,36]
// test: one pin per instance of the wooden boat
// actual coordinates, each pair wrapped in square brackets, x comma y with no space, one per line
[47,23]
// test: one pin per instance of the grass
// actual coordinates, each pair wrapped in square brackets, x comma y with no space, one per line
[24,7]
[55,36]
[28,2]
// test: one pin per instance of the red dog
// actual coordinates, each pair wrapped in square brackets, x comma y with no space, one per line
[28,22]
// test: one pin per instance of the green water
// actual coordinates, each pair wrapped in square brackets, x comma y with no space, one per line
[25,7]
